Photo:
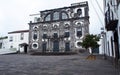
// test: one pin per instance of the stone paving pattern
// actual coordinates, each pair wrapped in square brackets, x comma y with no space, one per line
[24,64]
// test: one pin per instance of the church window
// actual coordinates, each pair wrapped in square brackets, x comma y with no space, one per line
[79,11]
[48,17]
[44,36]
[56,16]
[64,15]
[79,33]
[35,35]
[67,34]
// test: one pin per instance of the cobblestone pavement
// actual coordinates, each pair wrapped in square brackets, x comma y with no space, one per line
[21,64]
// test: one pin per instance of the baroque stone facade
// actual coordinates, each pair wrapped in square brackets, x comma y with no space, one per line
[59,30]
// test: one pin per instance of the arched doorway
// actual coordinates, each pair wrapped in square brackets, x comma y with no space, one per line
[24,45]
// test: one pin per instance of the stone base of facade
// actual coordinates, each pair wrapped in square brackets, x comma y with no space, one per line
[61,51]
[51,53]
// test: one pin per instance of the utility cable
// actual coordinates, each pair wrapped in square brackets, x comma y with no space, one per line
[97,13]
[99,7]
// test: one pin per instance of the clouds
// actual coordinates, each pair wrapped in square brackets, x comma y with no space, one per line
[1,15]
[14,14]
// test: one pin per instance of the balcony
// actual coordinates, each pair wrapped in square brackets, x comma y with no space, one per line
[54,38]
[110,20]
[111,25]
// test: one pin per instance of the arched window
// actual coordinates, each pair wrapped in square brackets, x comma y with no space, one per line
[48,17]
[35,35]
[64,15]
[79,30]
[35,27]
[56,16]
[79,33]
[79,11]
[79,25]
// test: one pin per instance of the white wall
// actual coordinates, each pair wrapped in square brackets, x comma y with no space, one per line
[108,50]
[17,40]
[119,26]
[4,43]
[101,49]
[110,34]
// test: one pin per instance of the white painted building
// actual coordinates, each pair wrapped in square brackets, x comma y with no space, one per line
[4,46]
[18,40]
[111,32]
[3,43]
[118,1]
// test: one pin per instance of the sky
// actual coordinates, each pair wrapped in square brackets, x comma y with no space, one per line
[15,14]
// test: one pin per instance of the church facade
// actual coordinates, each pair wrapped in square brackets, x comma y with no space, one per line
[59,30]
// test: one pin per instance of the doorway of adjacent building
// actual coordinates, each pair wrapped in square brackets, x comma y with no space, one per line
[116,45]
[56,46]
[67,46]
[25,48]
[112,46]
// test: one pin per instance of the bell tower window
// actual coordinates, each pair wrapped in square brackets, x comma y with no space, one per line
[48,17]
[56,16]
[64,15]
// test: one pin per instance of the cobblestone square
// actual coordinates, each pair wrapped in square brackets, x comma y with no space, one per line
[24,64]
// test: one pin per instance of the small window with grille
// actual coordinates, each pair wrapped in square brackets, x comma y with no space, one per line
[79,33]
[44,36]
[67,34]
[55,35]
